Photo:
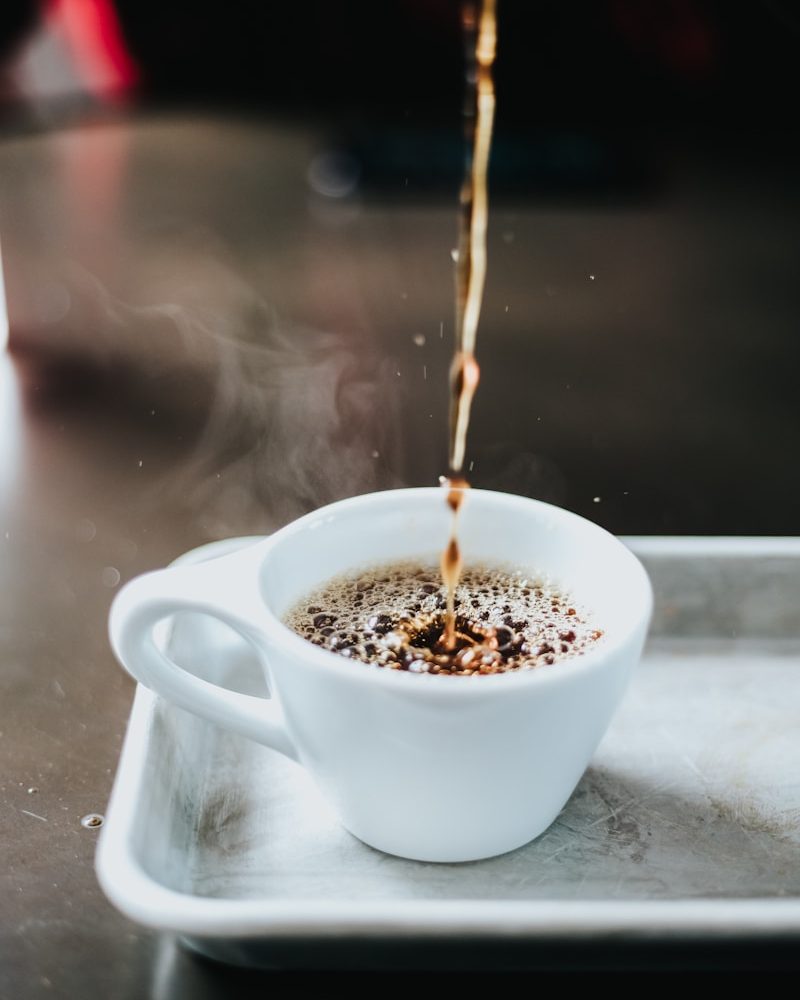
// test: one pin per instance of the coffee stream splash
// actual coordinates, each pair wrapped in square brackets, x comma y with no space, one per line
[480,28]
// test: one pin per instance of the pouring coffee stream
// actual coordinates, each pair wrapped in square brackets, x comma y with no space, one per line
[480,27]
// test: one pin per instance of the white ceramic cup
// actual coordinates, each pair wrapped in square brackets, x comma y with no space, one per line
[423,766]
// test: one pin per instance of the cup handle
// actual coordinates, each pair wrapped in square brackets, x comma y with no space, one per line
[150,598]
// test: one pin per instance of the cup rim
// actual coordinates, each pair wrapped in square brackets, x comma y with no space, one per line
[589,661]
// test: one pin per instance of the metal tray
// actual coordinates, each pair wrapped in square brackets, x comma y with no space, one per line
[685,827]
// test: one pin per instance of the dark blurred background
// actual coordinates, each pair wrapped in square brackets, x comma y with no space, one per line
[226,236]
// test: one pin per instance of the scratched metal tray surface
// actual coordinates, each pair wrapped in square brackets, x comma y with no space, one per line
[686,825]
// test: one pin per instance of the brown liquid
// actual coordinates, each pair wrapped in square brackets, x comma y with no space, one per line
[480,27]
[393,616]
[451,559]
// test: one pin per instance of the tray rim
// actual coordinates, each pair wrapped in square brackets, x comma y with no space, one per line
[142,898]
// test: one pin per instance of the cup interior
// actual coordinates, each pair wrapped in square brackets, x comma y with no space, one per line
[545,542]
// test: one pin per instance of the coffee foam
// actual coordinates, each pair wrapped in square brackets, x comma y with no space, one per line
[394,616]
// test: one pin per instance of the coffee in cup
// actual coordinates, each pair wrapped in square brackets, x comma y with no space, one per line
[394,616]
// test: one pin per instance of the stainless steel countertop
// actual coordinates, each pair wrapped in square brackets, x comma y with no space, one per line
[110,464]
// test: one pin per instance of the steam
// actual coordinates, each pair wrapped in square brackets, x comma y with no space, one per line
[275,418]
[298,420]
[290,418]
